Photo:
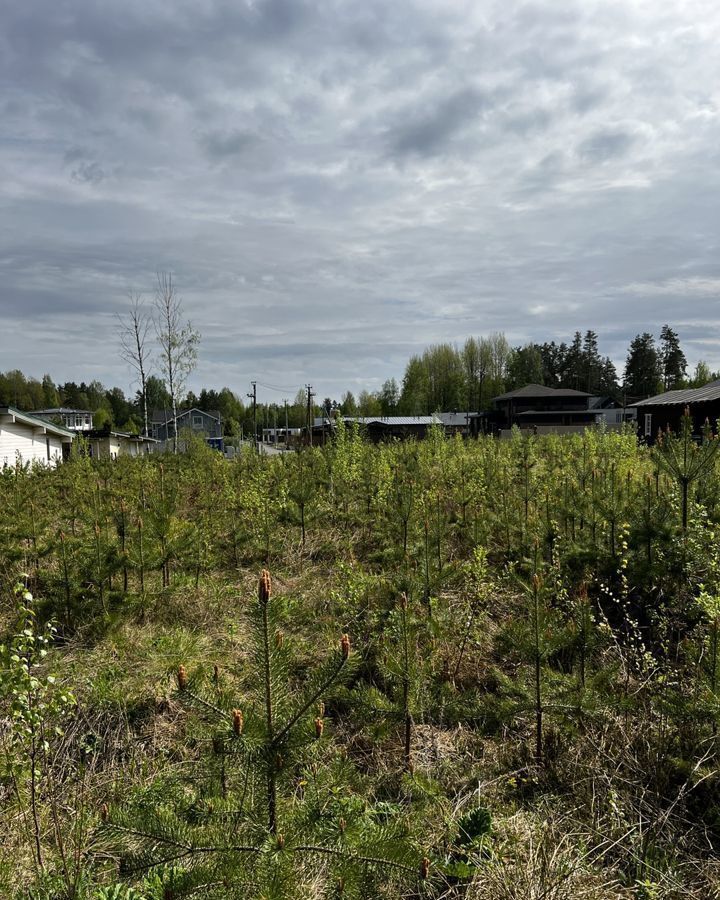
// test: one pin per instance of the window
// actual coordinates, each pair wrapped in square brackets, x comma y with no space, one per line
[78,421]
[197,421]
[648,424]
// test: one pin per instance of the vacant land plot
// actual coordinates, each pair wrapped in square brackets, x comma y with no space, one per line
[440,669]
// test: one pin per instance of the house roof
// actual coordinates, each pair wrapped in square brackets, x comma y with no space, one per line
[446,419]
[380,420]
[539,390]
[163,416]
[98,433]
[35,421]
[685,397]
[62,410]
[391,421]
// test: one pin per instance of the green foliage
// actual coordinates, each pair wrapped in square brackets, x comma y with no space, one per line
[33,704]
[588,695]
[32,699]
[271,804]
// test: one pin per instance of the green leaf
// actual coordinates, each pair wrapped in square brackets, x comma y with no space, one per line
[473,826]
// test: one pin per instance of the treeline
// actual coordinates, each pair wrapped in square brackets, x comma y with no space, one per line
[443,377]
[111,407]
[448,377]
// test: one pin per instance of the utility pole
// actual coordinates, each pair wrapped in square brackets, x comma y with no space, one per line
[253,397]
[310,395]
[287,436]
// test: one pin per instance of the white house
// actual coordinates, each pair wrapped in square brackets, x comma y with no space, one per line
[29,439]
[74,419]
[111,444]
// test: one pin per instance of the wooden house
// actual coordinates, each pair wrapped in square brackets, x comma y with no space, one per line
[545,410]
[666,410]
[27,438]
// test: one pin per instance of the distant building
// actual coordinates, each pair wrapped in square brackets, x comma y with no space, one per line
[289,436]
[666,410]
[208,425]
[387,428]
[73,419]
[27,438]
[545,410]
[108,444]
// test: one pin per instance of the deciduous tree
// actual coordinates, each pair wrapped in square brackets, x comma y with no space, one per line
[178,342]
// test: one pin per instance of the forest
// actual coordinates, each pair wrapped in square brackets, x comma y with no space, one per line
[445,669]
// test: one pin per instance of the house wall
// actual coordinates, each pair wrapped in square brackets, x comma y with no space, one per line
[210,427]
[511,408]
[561,429]
[116,445]
[652,418]
[18,439]
[130,447]
[104,447]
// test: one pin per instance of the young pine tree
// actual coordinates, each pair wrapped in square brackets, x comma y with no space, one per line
[272,807]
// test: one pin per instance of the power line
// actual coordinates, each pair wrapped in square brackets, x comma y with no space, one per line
[272,387]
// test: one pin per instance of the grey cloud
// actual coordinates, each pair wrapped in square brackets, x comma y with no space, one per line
[219,145]
[528,121]
[586,98]
[336,185]
[73,154]
[545,175]
[427,131]
[88,173]
[606,145]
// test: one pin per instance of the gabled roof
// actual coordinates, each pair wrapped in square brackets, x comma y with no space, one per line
[163,416]
[685,397]
[35,422]
[539,390]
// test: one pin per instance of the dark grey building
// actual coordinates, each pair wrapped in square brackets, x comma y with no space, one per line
[666,411]
[208,425]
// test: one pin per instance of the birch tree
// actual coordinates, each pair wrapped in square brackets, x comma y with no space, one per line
[178,343]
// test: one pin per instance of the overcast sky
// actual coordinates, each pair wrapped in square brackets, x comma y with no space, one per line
[336,185]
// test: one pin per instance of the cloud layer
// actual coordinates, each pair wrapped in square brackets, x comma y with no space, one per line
[335,185]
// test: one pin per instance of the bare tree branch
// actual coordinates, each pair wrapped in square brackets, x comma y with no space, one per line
[133,335]
[178,342]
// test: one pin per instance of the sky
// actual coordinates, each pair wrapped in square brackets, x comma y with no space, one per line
[336,185]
